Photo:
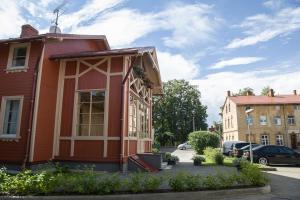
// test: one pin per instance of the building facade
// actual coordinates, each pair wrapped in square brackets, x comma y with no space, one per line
[275,119]
[68,97]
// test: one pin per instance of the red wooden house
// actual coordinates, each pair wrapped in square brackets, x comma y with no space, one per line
[71,98]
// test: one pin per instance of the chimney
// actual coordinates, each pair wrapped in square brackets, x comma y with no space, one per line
[28,31]
[228,93]
[271,93]
[295,92]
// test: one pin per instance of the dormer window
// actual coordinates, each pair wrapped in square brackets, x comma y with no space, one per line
[18,57]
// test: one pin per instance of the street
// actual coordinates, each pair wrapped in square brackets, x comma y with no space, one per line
[285,182]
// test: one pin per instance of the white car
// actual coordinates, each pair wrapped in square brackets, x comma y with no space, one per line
[184,146]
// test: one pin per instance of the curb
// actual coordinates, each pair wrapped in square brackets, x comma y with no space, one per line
[209,194]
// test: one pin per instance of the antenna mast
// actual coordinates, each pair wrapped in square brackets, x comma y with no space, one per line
[57,12]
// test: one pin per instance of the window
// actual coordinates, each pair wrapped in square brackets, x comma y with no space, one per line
[132,117]
[277,107]
[263,120]
[91,113]
[229,107]
[226,108]
[249,120]
[277,120]
[228,122]
[18,56]
[247,107]
[279,140]
[296,107]
[291,120]
[264,140]
[11,111]
[144,119]
[231,121]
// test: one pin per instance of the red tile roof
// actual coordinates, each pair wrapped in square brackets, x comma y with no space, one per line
[265,100]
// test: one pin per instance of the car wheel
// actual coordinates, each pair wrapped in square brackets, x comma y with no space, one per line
[263,161]
[183,148]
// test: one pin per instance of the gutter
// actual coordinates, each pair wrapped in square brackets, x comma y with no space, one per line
[32,102]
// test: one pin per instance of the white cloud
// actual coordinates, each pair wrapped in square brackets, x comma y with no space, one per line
[262,28]
[175,66]
[213,87]
[273,4]
[236,61]
[10,19]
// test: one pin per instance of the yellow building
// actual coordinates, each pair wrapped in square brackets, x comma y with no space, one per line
[275,119]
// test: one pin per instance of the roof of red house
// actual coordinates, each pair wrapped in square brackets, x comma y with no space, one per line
[265,100]
[125,51]
[56,36]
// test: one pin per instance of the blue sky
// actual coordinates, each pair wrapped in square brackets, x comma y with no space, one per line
[218,45]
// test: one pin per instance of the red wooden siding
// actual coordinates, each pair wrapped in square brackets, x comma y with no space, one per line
[67,107]
[18,84]
[92,80]
[86,150]
[64,148]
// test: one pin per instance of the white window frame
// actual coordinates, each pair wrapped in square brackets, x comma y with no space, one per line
[289,119]
[2,115]
[279,140]
[277,119]
[78,113]
[12,47]
[264,140]
[264,121]
[296,107]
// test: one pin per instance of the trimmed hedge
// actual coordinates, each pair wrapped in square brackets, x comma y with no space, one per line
[202,139]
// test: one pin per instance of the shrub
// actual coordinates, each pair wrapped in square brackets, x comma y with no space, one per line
[152,182]
[253,174]
[155,150]
[198,158]
[168,155]
[138,182]
[214,155]
[178,182]
[202,139]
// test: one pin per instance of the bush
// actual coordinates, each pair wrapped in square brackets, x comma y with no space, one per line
[179,181]
[198,158]
[155,150]
[202,139]
[138,182]
[253,174]
[214,155]
[170,157]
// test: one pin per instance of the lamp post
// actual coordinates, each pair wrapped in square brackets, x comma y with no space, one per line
[249,132]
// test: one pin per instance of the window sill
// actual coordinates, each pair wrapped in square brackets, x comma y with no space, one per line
[15,69]
[10,138]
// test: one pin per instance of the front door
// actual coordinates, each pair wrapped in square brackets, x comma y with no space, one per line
[294,141]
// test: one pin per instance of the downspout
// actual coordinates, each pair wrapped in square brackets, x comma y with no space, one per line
[122,110]
[32,101]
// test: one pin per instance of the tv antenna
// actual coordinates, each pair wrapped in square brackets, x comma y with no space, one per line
[58,11]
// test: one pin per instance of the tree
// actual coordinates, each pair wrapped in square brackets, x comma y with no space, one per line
[165,138]
[245,91]
[202,139]
[174,112]
[265,91]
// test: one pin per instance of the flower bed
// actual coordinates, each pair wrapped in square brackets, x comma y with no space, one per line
[62,182]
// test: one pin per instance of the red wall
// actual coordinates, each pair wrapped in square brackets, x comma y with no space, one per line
[17,84]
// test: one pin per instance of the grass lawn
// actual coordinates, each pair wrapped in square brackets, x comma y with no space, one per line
[227,162]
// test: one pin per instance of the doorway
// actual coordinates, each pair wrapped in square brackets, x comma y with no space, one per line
[294,141]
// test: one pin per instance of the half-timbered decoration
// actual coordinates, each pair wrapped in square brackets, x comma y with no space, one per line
[81,101]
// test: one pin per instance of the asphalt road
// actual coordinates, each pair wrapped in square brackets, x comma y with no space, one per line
[285,182]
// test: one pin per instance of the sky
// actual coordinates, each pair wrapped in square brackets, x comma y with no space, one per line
[218,45]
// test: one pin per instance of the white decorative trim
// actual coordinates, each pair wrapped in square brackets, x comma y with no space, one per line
[2,113]
[9,67]
[59,100]
[82,138]
[36,105]
[106,109]
[15,70]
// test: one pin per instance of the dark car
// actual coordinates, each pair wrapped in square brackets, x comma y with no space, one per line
[272,154]
[240,152]
[238,146]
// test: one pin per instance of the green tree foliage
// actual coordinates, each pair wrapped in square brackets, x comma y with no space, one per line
[202,139]
[166,138]
[175,110]
[245,91]
[265,91]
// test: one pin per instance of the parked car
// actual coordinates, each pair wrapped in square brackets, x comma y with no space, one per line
[272,154]
[240,152]
[238,146]
[184,146]
[227,147]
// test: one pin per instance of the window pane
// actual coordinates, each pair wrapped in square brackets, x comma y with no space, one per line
[11,116]
[19,56]
[84,119]
[83,130]
[84,97]
[98,96]
[96,130]
[97,107]
[84,108]
[97,119]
